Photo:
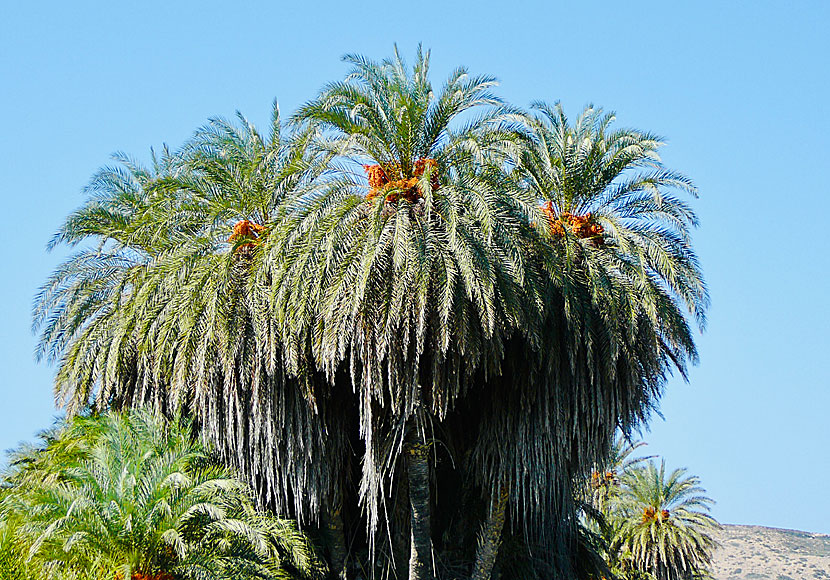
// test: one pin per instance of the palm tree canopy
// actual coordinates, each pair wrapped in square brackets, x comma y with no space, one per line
[412,279]
[609,253]
[588,174]
[408,259]
[136,496]
[665,522]
[155,241]
[166,308]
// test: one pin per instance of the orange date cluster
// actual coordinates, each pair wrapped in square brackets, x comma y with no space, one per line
[582,226]
[246,230]
[650,514]
[599,480]
[401,187]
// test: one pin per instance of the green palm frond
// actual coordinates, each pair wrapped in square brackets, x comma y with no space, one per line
[140,495]
[413,296]
[664,523]
[167,309]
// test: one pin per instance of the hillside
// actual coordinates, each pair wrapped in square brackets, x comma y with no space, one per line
[758,553]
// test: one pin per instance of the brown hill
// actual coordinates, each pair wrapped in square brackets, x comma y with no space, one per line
[758,553]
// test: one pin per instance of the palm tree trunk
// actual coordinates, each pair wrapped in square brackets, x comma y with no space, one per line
[490,537]
[336,540]
[420,559]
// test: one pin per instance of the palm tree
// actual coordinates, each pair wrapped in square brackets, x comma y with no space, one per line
[664,523]
[408,281]
[140,499]
[168,309]
[598,500]
[619,283]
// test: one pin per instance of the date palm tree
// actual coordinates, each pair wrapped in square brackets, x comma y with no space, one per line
[664,523]
[409,281]
[409,273]
[139,498]
[600,499]
[621,289]
[166,309]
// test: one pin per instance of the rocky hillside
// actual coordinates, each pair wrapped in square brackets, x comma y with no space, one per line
[757,553]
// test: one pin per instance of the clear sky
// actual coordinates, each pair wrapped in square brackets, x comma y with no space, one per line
[740,89]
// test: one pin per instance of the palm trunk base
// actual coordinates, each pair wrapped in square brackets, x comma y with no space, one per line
[490,538]
[420,559]
[336,540]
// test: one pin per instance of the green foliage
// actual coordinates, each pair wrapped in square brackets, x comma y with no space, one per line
[12,557]
[413,296]
[666,527]
[655,525]
[119,495]
[303,317]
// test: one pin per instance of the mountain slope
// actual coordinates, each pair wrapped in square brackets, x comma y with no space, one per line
[758,553]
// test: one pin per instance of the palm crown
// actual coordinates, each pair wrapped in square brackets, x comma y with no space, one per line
[666,526]
[394,260]
[608,190]
[617,272]
[411,278]
[168,310]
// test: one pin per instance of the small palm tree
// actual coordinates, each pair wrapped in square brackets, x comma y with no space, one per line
[139,499]
[663,525]
[598,502]
[12,556]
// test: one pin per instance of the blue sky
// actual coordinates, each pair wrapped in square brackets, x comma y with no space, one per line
[740,89]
